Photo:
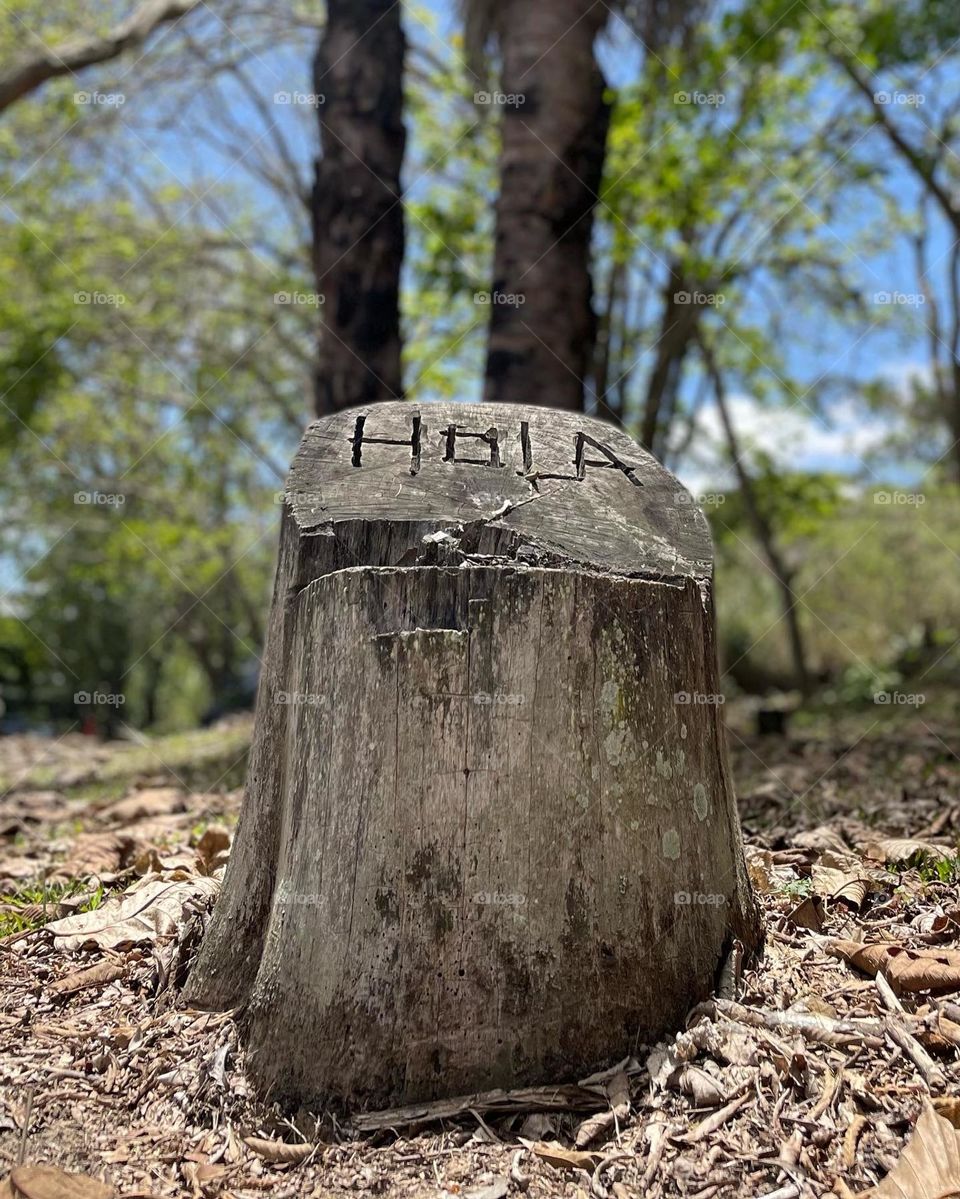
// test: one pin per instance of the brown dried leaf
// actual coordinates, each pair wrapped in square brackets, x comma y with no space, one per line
[554,1154]
[701,1086]
[213,848]
[823,838]
[832,883]
[593,1127]
[95,976]
[20,869]
[180,863]
[146,913]
[760,869]
[47,1182]
[948,1107]
[808,914]
[141,805]
[539,1125]
[766,873]
[900,849]
[929,1166]
[618,1092]
[279,1151]
[936,970]
[94,853]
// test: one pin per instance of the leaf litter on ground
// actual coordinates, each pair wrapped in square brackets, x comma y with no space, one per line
[830,1065]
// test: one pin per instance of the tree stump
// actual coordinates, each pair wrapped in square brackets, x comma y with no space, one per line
[489,837]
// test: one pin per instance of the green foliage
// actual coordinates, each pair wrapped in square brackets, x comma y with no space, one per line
[145,361]
[153,389]
[18,912]
[450,226]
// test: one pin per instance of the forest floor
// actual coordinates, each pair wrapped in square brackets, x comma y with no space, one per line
[804,1079]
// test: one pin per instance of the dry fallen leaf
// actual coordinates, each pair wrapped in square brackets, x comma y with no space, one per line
[96,976]
[279,1151]
[47,1182]
[96,854]
[832,883]
[618,1092]
[147,912]
[929,1166]
[808,914]
[936,970]
[167,863]
[948,1107]
[822,838]
[213,848]
[765,875]
[152,801]
[20,869]
[701,1086]
[554,1154]
[901,849]
[760,869]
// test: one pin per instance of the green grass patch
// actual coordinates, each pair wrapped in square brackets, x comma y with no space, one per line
[200,760]
[33,906]
[929,867]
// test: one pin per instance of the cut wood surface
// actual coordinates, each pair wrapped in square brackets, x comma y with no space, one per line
[489,838]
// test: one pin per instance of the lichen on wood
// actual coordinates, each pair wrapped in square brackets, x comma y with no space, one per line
[489,837]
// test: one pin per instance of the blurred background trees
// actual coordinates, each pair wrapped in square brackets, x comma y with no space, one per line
[744,247]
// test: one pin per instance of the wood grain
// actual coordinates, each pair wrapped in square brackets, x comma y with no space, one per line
[488,765]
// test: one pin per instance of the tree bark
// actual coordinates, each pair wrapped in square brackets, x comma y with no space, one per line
[358,227]
[761,527]
[678,324]
[489,837]
[554,127]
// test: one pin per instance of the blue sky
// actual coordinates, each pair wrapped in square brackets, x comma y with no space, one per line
[893,344]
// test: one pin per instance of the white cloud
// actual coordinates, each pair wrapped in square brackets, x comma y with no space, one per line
[794,436]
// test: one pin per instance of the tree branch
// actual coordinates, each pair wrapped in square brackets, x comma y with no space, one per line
[921,167]
[29,73]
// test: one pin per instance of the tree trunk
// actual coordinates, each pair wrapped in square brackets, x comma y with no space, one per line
[761,527]
[358,229]
[678,323]
[489,837]
[555,118]
[605,406]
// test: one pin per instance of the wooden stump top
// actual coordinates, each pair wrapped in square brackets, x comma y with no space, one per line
[503,481]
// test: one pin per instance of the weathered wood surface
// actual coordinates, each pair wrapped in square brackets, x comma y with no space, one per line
[476,798]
